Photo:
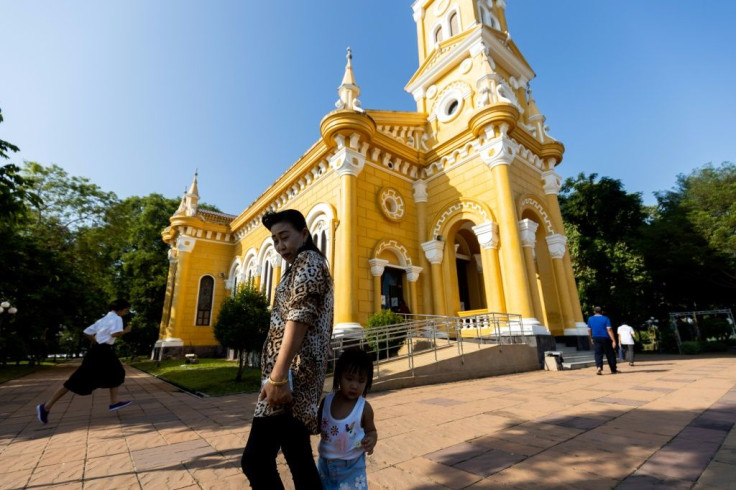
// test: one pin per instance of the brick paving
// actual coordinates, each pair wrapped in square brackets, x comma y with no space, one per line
[666,423]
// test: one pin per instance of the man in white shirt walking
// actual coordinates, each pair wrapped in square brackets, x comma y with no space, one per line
[626,340]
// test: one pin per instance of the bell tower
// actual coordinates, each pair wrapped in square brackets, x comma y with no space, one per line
[468,62]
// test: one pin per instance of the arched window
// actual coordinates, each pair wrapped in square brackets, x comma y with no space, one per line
[267,278]
[323,242]
[438,34]
[454,24]
[204,300]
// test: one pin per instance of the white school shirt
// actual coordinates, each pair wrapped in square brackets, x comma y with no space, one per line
[627,334]
[103,328]
[341,438]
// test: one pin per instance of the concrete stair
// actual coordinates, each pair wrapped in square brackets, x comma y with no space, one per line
[575,359]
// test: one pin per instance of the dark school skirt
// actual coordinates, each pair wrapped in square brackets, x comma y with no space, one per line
[100,369]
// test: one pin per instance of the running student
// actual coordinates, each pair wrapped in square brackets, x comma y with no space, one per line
[346,424]
[100,367]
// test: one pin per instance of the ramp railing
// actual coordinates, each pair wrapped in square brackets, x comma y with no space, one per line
[422,334]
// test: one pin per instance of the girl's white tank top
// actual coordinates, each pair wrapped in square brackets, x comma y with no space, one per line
[341,438]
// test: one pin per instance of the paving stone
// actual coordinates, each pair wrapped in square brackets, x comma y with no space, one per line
[671,425]
[719,475]
[489,462]
[455,454]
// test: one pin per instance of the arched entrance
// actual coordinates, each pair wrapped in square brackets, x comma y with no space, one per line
[392,290]
[467,273]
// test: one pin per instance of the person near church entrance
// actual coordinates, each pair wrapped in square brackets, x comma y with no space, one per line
[603,340]
[293,360]
[100,367]
[626,339]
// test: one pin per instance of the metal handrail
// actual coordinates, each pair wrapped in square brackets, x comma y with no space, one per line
[438,331]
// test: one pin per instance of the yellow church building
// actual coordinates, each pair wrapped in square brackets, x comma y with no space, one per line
[451,210]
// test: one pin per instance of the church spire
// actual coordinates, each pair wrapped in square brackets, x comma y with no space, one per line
[190,200]
[348,89]
[193,191]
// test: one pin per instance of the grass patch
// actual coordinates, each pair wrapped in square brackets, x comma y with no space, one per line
[213,377]
[11,371]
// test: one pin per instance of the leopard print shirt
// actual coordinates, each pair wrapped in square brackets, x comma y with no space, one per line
[304,295]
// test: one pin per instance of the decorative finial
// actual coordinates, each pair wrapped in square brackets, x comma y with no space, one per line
[348,89]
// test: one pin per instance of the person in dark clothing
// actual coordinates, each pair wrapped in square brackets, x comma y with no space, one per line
[603,340]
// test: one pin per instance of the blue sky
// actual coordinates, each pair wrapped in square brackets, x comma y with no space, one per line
[137,94]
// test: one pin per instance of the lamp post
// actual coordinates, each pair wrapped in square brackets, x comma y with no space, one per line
[5,309]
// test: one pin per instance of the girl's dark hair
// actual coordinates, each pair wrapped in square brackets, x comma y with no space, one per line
[295,219]
[118,304]
[354,360]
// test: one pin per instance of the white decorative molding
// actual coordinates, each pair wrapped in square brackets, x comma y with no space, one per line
[418,12]
[499,151]
[434,250]
[408,135]
[377,266]
[185,243]
[399,250]
[391,204]
[557,245]
[431,91]
[420,191]
[458,91]
[533,203]
[257,270]
[457,208]
[466,65]
[487,234]
[347,161]
[528,229]
[441,6]
[276,260]
[552,182]
[412,273]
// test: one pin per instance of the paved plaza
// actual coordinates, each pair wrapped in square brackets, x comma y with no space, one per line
[665,423]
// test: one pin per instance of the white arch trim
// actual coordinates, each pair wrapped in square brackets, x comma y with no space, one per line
[402,255]
[457,208]
[533,203]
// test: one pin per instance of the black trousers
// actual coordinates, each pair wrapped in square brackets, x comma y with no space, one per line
[604,345]
[267,436]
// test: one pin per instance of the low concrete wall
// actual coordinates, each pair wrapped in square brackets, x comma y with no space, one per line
[476,363]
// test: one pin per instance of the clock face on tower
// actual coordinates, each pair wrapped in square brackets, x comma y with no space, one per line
[391,203]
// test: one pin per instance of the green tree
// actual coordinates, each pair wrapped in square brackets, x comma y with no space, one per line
[138,263]
[687,245]
[603,224]
[243,322]
[5,147]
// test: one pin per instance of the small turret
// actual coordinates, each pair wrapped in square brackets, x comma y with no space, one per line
[348,89]
[190,200]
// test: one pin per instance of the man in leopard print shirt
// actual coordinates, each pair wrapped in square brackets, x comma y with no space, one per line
[293,361]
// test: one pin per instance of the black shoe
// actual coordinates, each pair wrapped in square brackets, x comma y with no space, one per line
[42,414]
[599,372]
[119,405]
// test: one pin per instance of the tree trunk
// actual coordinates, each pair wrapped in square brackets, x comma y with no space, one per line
[239,376]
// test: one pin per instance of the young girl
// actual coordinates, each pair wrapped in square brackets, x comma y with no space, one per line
[100,367]
[347,428]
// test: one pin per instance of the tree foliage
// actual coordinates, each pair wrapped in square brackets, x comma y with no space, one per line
[243,322]
[603,224]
